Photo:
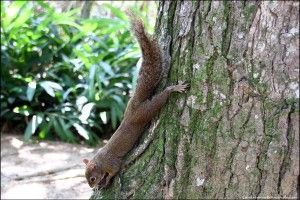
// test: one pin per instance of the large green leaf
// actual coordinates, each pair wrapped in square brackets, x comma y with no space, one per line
[11,13]
[58,129]
[32,126]
[20,20]
[82,131]
[31,90]
[107,68]
[65,128]
[118,99]
[88,27]
[44,129]
[67,22]
[91,82]
[85,112]
[50,87]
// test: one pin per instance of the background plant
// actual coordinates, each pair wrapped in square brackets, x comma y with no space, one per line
[63,75]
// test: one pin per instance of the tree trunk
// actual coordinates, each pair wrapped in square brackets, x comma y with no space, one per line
[235,134]
[86,9]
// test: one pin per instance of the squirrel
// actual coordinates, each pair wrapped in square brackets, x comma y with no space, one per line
[141,108]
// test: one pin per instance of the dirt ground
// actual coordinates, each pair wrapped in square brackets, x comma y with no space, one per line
[42,170]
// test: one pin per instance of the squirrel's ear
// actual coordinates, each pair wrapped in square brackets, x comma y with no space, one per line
[86,161]
[92,165]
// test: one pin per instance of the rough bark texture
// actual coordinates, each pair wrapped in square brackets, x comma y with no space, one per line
[235,134]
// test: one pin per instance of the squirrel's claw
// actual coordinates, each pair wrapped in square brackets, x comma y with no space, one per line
[178,88]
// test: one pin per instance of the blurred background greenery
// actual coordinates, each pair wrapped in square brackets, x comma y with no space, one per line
[68,67]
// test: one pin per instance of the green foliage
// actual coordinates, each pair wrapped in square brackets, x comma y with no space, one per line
[68,76]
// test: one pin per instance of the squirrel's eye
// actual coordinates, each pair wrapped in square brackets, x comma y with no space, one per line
[92,179]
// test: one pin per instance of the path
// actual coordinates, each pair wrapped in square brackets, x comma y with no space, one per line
[42,170]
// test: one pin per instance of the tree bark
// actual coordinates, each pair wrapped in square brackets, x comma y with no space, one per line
[86,9]
[235,134]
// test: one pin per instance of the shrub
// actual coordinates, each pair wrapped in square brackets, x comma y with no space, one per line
[69,77]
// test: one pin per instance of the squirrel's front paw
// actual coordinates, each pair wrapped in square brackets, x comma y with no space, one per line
[181,87]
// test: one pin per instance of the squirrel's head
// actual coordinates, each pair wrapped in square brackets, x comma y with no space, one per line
[94,173]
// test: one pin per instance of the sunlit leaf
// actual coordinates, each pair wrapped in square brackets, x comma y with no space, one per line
[44,127]
[103,116]
[80,101]
[24,110]
[85,112]
[107,68]
[84,133]
[91,81]
[12,12]
[67,22]
[50,87]
[21,19]
[66,93]
[88,27]
[31,90]
[32,126]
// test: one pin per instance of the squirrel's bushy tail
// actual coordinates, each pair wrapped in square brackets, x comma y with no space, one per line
[151,69]
[148,45]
